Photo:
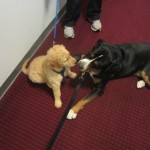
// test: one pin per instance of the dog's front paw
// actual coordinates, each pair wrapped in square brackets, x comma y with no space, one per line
[73,75]
[140,84]
[71,114]
[58,103]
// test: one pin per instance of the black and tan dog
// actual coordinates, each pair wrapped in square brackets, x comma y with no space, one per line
[111,61]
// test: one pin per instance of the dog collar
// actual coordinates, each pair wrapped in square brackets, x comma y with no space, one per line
[59,72]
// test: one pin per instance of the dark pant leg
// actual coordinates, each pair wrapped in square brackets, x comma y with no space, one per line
[94,9]
[73,8]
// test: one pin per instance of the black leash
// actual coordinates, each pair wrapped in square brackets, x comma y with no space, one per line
[60,124]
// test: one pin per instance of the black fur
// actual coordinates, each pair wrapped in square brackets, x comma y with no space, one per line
[117,61]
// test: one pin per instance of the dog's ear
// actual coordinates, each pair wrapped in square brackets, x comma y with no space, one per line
[100,41]
[51,60]
[52,64]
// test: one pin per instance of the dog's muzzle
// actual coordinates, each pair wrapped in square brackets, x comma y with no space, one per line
[84,63]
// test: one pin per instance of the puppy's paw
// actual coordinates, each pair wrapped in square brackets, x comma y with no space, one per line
[72,75]
[71,115]
[58,103]
[140,84]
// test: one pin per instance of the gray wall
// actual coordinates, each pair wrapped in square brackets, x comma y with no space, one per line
[21,23]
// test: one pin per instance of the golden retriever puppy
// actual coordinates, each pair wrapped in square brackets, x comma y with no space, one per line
[50,69]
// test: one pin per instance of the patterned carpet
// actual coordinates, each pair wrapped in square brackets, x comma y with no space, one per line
[119,120]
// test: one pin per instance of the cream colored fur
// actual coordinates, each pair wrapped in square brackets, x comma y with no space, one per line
[41,69]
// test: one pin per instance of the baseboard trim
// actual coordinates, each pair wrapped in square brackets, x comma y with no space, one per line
[9,81]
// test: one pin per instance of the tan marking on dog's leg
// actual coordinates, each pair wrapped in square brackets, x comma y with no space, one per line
[76,108]
[72,114]
[80,104]
[145,77]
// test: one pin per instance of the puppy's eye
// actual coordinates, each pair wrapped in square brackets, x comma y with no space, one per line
[66,59]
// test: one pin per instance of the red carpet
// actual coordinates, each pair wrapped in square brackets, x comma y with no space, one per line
[119,120]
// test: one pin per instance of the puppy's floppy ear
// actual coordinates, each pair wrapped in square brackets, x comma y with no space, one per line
[100,41]
[51,59]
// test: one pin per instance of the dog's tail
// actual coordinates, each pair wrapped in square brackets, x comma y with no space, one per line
[24,68]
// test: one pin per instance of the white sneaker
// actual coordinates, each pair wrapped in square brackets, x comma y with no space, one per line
[69,32]
[96,25]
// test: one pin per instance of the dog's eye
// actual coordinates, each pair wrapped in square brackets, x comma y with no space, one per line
[92,55]
[95,62]
[66,59]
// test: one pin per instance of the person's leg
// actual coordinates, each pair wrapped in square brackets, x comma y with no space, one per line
[94,9]
[93,14]
[73,8]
